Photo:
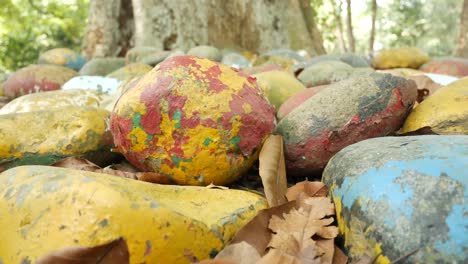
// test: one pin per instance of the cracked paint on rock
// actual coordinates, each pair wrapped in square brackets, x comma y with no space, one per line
[204,121]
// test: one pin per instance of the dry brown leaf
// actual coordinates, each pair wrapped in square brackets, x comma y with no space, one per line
[294,231]
[311,189]
[239,253]
[427,130]
[212,186]
[426,86]
[113,252]
[78,163]
[339,257]
[273,170]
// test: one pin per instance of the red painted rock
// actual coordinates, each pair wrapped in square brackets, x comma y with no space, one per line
[346,112]
[37,78]
[193,120]
[294,101]
[447,66]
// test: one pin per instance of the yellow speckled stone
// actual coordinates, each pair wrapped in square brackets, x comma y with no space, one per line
[52,100]
[400,58]
[402,72]
[446,111]
[47,208]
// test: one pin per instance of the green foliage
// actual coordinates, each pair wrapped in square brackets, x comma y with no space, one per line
[29,27]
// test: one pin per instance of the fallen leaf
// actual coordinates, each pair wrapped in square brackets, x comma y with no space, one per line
[212,186]
[239,253]
[78,163]
[426,86]
[339,257]
[312,189]
[124,166]
[113,252]
[273,170]
[427,130]
[293,232]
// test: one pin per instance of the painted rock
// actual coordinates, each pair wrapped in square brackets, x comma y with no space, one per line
[447,66]
[346,112]
[155,58]
[37,78]
[62,57]
[325,72]
[446,111]
[193,120]
[285,62]
[262,68]
[102,66]
[402,72]
[207,52]
[105,85]
[129,71]
[159,223]
[235,60]
[278,86]
[400,58]
[395,195]
[353,60]
[285,53]
[51,100]
[3,79]
[43,137]
[294,101]
[136,54]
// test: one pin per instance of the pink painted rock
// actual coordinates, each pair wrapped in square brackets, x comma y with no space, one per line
[447,66]
[294,101]
[37,78]
[346,112]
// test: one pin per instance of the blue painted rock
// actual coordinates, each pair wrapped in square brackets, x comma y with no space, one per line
[105,85]
[447,66]
[50,100]
[346,112]
[102,66]
[43,137]
[136,54]
[394,195]
[130,71]
[325,72]
[62,57]
[206,52]
[37,78]
[235,60]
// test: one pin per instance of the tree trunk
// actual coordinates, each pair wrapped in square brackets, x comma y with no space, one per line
[372,33]
[349,24]
[109,30]
[339,25]
[258,25]
[462,45]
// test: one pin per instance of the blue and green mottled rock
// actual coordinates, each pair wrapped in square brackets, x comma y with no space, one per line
[395,195]
[62,57]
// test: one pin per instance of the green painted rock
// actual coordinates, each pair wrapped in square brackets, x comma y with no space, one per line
[296,100]
[102,66]
[51,100]
[346,112]
[447,66]
[137,54]
[62,57]
[207,52]
[400,58]
[37,78]
[278,86]
[235,60]
[395,195]
[155,58]
[325,72]
[43,137]
[129,71]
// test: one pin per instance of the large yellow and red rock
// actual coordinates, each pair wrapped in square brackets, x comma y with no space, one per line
[193,120]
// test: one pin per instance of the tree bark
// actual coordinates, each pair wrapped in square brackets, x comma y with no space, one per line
[258,25]
[339,25]
[462,45]
[349,24]
[109,30]
[372,33]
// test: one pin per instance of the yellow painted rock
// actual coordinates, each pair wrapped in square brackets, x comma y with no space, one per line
[402,72]
[193,120]
[400,58]
[51,100]
[278,86]
[446,111]
[130,71]
[43,137]
[62,57]
[47,208]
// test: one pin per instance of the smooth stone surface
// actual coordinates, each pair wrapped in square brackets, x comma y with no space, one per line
[296,100]
[63,57]
[136,54]
[235,60]
[400,58]
[457,67]
[325,72]
[130,71]
[102,66]
[206,52]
